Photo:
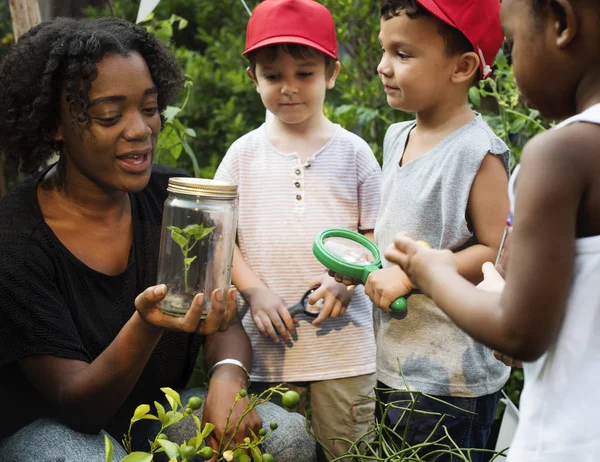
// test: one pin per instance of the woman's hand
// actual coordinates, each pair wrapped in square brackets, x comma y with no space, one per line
[221,395]
[386,285]
[336,297]
[270,314]
[419,262]
[217,319]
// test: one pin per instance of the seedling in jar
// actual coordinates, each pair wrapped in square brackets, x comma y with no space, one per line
[186,239]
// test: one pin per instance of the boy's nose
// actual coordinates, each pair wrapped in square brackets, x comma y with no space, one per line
[383,68]
[289,87]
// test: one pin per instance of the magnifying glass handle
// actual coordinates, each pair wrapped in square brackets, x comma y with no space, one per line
[296,309]
[399,308]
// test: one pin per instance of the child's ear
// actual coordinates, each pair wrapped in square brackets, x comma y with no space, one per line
[331,80]
[566,22]
[467,65]
[251,74]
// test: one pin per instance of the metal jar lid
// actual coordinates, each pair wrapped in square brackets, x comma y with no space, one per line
[202,187]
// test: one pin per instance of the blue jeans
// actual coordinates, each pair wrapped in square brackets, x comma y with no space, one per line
[467,429]
[46,440]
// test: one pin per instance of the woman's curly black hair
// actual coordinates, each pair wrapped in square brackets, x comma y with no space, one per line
[62,55]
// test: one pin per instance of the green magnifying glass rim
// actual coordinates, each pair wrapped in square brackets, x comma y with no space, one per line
[340,266]
[361,272]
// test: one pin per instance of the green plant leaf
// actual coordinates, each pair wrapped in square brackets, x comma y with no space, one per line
[190,132]
[162,416]
[475,96]
[179,238]
[108,449]
[340,110]
[365,115]
[172,402]
[208,428]
[198,231]
[240,456]
[171,449]
[150,17]
[501,61]
[170,113]
[256,454]
[197,421]
[175,151]
[141,411]
[188,261]
[173,394]
[138,457]
[517,125]
[198,440]
[174,417]
[188,150]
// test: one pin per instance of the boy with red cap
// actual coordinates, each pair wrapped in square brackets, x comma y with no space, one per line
[444,181]
[297,174]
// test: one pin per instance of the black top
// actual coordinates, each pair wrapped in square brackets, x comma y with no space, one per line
[53,304]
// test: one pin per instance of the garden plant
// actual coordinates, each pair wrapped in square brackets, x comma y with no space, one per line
[249,450]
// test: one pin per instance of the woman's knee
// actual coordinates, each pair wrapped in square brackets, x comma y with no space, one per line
[46,440]
[290,441]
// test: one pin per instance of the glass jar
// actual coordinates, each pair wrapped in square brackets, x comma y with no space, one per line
[197,241]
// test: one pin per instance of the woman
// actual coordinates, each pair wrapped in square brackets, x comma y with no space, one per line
[79,348]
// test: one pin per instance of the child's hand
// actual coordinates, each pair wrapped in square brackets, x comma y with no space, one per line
[270,315]
[419,262]
[386,285]
[344,279]
[335,295]
[492,280]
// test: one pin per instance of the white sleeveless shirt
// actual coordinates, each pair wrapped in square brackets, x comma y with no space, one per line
[560,405]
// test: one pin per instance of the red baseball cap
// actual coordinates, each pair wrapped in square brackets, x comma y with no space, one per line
[478,20]
[305,22]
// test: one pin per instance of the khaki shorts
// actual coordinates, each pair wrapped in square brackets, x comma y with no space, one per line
[338,408]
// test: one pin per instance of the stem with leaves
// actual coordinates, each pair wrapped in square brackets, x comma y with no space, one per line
[186,239]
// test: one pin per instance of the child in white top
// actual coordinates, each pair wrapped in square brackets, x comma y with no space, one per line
[298,174]
[548,313]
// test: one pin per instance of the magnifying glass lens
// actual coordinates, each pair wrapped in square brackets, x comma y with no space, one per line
[348,250]
[316,308]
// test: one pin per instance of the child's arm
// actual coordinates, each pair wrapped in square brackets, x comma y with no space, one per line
[524,320]
[487,209]
[269,313]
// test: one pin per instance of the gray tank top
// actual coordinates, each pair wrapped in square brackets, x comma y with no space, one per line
[427,198]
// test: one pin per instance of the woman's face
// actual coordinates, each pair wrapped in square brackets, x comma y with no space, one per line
[114,150]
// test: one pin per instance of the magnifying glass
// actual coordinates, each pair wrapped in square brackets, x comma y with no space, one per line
[303,306]
[352,255]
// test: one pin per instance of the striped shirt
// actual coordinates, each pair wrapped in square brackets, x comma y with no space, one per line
[283,205]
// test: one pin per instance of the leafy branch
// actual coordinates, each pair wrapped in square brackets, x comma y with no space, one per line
[196,446]
[186,239]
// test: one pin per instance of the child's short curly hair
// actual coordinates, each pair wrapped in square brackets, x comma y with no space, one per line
[61,55]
